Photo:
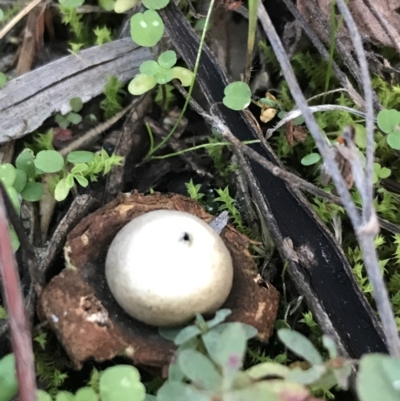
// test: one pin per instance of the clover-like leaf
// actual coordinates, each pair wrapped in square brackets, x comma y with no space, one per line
[393,140]
[108,5]
[141,84]
[147,28]
[388,120]
[310,159]
[80,156]
[186,334]
[149,67]
[167,59]
[237,96]
[164,75]
[43,395]
[8,379]
[64,396]
[121,383]
[155,4]
[25,162]
[7,174]
[74,118]
[183,74]
[61,191]
[49,161]
[20,180]
[86,394]
[121,6]
[71,3]
[32,192]
[76,104]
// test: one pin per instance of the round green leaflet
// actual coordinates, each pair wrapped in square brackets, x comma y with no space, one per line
[20,180]
[388,120]
[147,28]
[7,174]
[141,84]
[43,396]
[76,104]
[71,3]
[393,140]
[86,394]
[80,156]
[32,192]
[49,161]
[149,67]
[3,79]
[124,5]
[61,191]
[237,96]
[25,162]
[121,383]
[8,380]
[155,4]
[310,159]
[184,75]
[108,5]
[167,59]
[164,75]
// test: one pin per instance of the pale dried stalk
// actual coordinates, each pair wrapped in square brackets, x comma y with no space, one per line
[367,227]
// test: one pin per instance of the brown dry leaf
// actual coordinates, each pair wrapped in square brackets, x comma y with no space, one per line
[367,24]
[295,132]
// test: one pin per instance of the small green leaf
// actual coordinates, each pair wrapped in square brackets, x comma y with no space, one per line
[265,369]
[1,14]
[310,159]
[300,345]
[79,168]
[64,396]
[268,102]
[237,96]
[383,173]
[163,76]
[393,140]
[8,379]
[3,79]
[378,378]
[155,4]
[49,161]
[299,120]
[186,334]
[25,162]
[43,396]
[7,174]
[167,59]
[141,84]
[20,180]
[177,391]
[183,74]
[361,136]
[147,28]
[62,121]
[14,240]
[199,369]
[219,317]
[121,383]
[80,156]
[76,104]
[149,67]
[124,5]
[86,394]
[69,181]
[388,120]
[330,346]
[107,5]
[170,333]
[61,191]
[74,118]
[32,192]
[82,181]
[260,392]
[71,3]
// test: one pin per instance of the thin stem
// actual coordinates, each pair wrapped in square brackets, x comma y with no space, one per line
[202,146]
[253,4]
[196,67]
[312,125]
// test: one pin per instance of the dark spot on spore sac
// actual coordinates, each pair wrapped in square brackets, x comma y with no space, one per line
[185,237]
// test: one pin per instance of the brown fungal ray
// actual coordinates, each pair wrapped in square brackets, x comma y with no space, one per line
[91,325]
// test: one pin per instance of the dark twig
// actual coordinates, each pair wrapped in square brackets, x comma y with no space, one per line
[20,331]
